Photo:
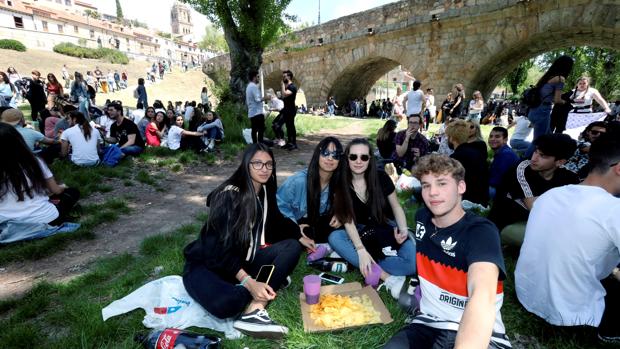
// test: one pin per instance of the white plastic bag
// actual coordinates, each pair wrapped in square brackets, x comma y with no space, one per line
[167,304]
[247,135]
[407,183]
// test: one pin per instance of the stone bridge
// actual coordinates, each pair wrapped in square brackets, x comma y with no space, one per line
[474,42]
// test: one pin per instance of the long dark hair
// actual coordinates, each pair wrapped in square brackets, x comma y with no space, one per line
[562,66]
[388,128]
[376,197]
[80,119]
[313,182]
[19,170]
[233,215]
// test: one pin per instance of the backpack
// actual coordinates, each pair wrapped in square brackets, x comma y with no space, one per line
[112,155]
[531,97]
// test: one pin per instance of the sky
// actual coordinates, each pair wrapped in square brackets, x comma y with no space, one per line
[156,13]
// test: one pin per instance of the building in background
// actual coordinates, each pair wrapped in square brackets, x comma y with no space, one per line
[42,24]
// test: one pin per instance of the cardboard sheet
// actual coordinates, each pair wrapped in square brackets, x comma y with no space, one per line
[349,289]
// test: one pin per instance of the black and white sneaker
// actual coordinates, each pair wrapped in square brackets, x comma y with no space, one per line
[287,282]
[258,324]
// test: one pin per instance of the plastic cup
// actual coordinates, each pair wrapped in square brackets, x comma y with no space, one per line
[319,253]
[372,279]
[312,288]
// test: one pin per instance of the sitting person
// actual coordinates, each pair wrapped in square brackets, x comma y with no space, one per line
[471,156]
[580,159]
[149,115]
[156,130]
[214,130]
[410,144]
[124,132]
[571,248]
[83,140]
[523,128]
[531,178]
[33,138]
[460,267]
[179,138]
[385,141]
[369,202]
[27,182]
[307,197]
[244,231]
[504,158]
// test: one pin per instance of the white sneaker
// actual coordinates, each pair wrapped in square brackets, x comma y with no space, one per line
[394,284]
[211,144]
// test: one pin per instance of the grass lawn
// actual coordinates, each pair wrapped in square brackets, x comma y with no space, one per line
[69,316]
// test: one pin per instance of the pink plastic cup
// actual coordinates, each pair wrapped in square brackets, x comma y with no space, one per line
[373,277]
[312,288]
[319,253]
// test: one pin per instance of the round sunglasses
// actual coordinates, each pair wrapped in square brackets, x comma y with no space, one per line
[363,157]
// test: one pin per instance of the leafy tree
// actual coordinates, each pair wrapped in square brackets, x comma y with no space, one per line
[213,40]
[92,14]
[249,27]
[517,78]
[601,65]
[119,12]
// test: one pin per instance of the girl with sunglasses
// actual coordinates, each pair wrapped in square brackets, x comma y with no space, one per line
[244,231]
[307,197]
[371,202]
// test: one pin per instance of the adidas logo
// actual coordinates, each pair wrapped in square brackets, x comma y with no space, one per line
[447,246]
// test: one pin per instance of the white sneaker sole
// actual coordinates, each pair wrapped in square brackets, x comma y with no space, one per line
[261,331]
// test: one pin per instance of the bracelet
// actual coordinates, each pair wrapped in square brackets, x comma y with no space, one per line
[245,279]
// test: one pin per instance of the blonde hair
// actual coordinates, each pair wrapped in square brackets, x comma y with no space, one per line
[460,131]
[439,164]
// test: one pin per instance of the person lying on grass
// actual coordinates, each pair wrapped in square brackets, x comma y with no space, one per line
[245,231]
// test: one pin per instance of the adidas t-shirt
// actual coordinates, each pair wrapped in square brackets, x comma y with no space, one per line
[443,257]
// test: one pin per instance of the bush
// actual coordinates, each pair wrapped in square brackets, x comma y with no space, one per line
[15,45]
[112,56]
[235,119]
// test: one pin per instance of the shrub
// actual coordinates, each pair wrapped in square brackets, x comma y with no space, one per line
[9,44]
[112,56]
[235,118]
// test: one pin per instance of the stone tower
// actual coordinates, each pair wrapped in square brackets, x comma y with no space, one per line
[180,19]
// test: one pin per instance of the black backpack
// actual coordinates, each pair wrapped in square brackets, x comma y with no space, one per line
[531,97]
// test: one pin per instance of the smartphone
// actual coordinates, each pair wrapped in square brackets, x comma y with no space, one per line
[334,279]
[264,273]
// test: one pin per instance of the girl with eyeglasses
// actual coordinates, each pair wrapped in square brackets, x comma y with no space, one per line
[369,209]
[245,231]
[307,197]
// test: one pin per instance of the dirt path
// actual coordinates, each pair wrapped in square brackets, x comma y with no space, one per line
[152,213]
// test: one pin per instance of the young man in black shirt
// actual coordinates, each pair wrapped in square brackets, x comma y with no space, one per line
[289,93]
[531,178]
[124,132]
[460,267]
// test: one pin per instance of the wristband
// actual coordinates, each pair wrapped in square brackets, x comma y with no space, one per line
[245,279]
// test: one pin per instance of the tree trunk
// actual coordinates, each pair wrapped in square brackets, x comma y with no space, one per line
[243,59]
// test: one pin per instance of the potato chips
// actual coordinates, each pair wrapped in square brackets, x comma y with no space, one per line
[336,311]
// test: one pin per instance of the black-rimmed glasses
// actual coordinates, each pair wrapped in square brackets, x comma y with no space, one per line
[363,157]
[334,154]
[258,165]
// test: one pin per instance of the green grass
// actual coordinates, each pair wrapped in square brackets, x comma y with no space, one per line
[69,316]
[90,179]
[92,216]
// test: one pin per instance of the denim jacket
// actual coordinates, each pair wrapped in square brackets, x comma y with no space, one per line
[292,197]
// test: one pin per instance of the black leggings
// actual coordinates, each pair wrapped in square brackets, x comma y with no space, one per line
[64,202]
[276,126]
[258,128]
[291,132]
[224,299]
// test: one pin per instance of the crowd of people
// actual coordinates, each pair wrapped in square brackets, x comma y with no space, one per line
[344,205]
